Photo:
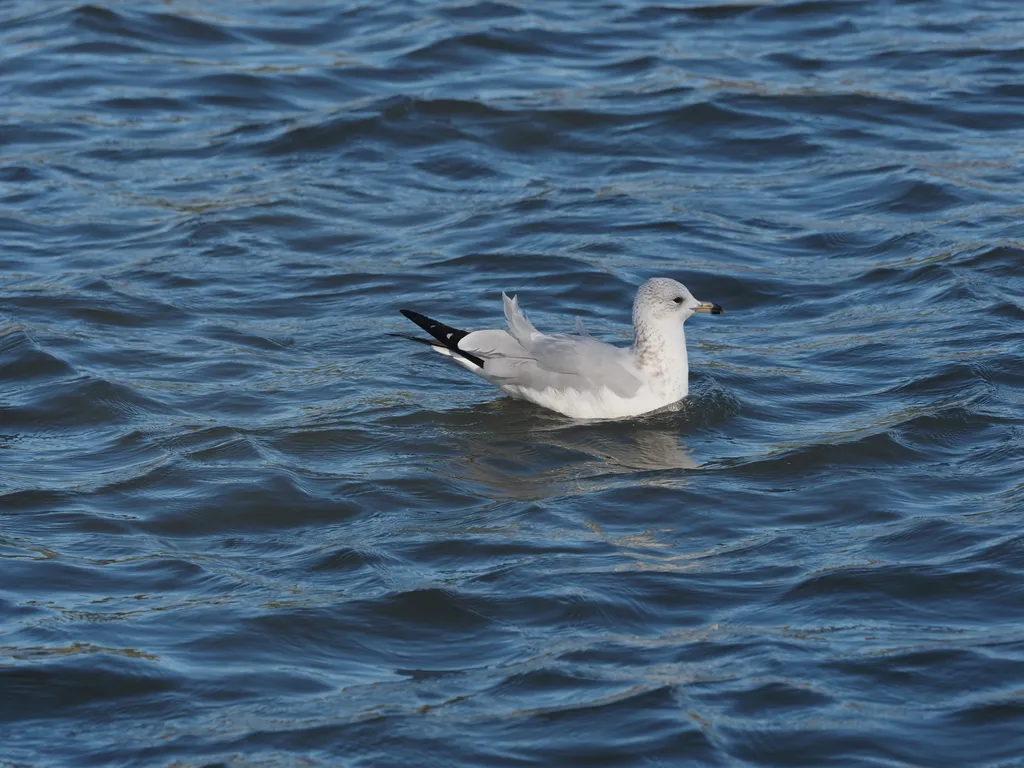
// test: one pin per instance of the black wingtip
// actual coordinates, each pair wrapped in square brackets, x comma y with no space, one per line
[422,321]
[417,339]
[449,337]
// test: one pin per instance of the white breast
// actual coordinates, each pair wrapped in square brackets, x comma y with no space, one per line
[596,404]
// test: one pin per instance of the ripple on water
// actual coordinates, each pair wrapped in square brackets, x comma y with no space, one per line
[232,506]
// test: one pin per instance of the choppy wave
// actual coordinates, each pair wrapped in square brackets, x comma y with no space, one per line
[239,526]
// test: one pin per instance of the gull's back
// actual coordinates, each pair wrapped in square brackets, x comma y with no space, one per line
[566,373]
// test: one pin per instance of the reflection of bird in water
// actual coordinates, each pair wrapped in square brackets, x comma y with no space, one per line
[506,448]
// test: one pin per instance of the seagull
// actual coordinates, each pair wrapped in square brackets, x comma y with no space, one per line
[577,375]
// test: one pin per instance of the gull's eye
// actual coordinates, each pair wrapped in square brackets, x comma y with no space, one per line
[678,299]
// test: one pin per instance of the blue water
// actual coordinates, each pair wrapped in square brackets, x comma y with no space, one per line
[242,526]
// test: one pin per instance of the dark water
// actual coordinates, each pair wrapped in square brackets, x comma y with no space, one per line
[239,525]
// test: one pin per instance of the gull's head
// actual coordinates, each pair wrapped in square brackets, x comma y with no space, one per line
[663,300]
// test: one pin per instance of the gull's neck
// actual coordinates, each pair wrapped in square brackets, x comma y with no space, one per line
[660,351]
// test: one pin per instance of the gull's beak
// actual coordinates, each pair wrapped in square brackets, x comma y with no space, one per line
[710,308]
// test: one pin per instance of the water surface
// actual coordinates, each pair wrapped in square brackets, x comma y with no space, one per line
[240,525]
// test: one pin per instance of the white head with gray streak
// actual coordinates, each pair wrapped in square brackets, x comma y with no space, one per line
[664,301]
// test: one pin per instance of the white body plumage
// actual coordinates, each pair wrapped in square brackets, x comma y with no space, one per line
[579,376]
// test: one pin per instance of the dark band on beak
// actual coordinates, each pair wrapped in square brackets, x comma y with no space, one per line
[710,307]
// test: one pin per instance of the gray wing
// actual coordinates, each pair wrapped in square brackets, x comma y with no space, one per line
[523,356]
